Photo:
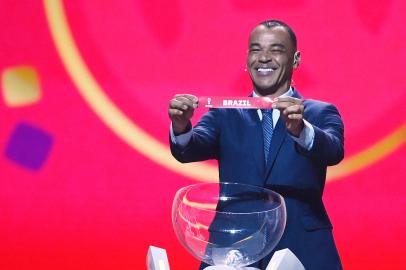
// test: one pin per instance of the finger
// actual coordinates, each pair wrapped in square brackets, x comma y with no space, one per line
[177,104]
[295,116]
[174,112]
[294,109]
[192,98]
[283,103]
[289,99]
[182,104]
[186,101]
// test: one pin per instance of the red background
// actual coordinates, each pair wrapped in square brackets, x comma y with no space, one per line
[97,203]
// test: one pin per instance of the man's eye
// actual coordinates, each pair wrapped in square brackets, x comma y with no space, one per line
[254,50]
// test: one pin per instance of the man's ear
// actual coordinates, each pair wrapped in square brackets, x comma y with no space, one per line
[296,59]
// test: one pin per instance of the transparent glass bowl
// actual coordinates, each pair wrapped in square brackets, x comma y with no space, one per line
[228,223]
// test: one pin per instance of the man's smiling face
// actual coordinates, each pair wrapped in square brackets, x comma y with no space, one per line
[271,60]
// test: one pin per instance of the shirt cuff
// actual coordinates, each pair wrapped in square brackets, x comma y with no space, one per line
[306,137]
[182,139]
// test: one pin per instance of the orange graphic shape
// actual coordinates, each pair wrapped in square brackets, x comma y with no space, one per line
[21,86]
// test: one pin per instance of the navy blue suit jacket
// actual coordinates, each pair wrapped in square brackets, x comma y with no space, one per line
[235,138]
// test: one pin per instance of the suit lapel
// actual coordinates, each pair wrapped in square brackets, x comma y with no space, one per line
[278,137]
[257,136]
[296,94]
[258,152]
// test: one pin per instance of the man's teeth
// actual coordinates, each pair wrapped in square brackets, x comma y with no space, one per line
[265,69]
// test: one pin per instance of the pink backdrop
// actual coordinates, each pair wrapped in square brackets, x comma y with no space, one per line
[86,181]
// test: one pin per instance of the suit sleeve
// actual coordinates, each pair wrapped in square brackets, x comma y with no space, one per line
[328,144]
[203,144]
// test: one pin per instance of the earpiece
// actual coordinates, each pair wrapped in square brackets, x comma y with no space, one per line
[296,58]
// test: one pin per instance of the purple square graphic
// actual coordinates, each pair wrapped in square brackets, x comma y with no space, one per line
[29,146]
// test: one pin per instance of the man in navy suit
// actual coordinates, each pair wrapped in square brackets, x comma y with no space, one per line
[305,137]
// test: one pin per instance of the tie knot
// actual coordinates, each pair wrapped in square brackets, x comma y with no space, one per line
[266,111]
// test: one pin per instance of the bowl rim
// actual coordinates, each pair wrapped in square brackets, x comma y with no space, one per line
[177,199]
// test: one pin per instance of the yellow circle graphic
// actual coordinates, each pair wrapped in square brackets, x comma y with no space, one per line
[150,147]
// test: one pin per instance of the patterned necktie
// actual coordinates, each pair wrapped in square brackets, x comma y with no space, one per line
[267,127]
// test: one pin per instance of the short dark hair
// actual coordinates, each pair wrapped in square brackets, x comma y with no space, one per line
[273,23]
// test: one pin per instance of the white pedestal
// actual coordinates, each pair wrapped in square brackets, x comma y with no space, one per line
[219,267]
[157,259]
[284,259]
[281,260]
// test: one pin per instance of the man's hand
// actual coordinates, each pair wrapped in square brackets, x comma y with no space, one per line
[181,109]
[292,112]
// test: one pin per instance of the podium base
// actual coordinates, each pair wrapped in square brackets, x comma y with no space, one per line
[281,260]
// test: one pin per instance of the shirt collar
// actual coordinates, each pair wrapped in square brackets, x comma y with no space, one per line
[288,93]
